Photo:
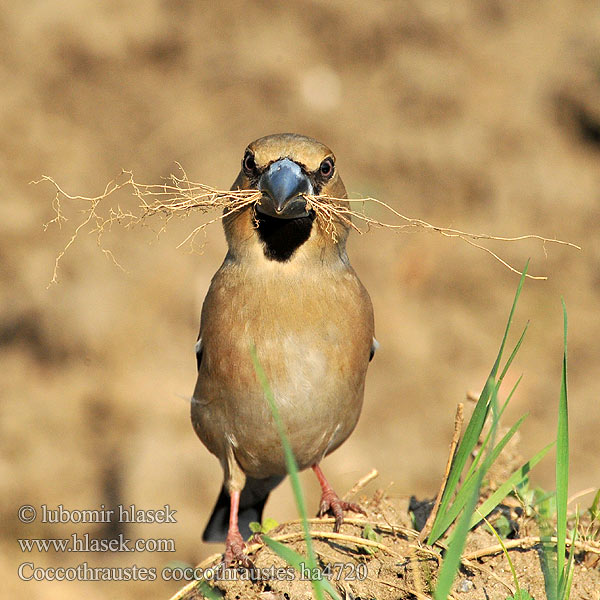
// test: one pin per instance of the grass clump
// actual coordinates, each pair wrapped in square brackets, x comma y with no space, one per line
[558,570]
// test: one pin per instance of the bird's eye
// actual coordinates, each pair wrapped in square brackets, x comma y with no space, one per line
[326,168]
[248,163]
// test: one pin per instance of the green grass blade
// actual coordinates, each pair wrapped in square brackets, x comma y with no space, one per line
[465,491]
[475,462]
[593,510]
[291,465]
[509,322]
[290,556]
[562,464]
[548,565]
[455,547]
[475,425]
[543,499]
[290,460]
[513,353]
[493,455]
[507,556]
[508,485]
[301,564]
[459,536]
[465,448]
[568,578]
[208,591]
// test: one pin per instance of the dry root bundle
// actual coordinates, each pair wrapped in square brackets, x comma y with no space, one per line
[326,207]
[177,196]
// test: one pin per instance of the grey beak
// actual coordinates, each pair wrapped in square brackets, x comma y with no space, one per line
[283,184]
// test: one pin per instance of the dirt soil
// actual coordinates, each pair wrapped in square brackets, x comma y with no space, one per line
[481,115]
[399,567]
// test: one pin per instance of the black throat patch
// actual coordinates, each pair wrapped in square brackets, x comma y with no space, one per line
[282,237]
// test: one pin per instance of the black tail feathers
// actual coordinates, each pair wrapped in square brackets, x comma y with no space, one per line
[252,502]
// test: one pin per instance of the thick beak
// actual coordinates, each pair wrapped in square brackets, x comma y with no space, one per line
[282,185]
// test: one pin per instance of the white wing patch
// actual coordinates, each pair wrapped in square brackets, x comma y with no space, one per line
[374,347]
[198,348]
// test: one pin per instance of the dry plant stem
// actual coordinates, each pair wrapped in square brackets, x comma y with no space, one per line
[458,422]
[385,527]
[329,535]
[361,483]
[413,562]
[178,196]
[419,595]
[525,542]
[192,585]
[397,587]
[574,497]
[185,590]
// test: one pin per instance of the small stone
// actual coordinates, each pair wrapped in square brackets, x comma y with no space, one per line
[466,585]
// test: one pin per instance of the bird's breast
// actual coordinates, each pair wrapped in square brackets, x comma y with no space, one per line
[312,331]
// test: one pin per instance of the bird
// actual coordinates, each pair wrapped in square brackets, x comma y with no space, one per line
[286,288]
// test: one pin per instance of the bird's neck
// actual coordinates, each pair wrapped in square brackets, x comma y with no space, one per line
[281,238]
[259,242]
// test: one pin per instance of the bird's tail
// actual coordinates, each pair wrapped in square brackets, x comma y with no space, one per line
[252,502]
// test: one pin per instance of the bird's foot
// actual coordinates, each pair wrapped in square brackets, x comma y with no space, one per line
[234,551]
[331,502]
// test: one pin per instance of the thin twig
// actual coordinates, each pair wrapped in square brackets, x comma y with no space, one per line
[397,587]
[328,535]
[361,483]
[413,564]
[580,494]
[458,422]
[385,527]
[526,542]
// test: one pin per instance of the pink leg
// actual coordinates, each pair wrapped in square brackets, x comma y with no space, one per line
[234,543]
[330,501]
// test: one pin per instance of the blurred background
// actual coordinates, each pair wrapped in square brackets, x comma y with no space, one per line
[484,116]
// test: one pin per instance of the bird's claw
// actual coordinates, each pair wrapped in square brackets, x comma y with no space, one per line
[331,502]
[234,551]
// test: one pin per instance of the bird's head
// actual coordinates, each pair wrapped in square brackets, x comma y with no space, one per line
[285,168]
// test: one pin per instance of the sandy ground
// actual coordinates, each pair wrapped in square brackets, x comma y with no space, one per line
[482,117]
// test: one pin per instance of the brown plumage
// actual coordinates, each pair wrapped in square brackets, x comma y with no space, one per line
[287,287]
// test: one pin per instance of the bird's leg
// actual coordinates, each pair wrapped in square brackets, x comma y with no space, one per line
[234,543]
[330,501]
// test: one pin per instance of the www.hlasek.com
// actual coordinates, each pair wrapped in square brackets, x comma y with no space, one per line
[85,543]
